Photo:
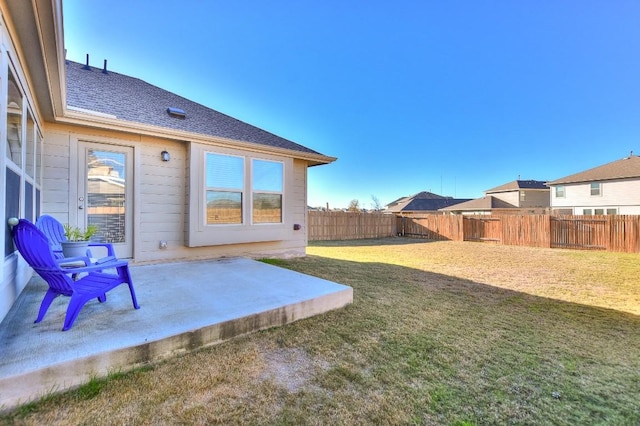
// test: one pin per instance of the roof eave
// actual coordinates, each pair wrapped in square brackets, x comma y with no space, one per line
[577,181]
[39,22]
[103,121]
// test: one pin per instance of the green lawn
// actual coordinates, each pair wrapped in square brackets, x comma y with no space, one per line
[439,333]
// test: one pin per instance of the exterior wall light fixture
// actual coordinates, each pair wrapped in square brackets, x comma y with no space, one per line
[165,156]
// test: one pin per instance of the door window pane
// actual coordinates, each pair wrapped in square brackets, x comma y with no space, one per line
[105,203]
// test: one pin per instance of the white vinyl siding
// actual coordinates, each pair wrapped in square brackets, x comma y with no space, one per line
[162,198]
[622,195]
[20,179]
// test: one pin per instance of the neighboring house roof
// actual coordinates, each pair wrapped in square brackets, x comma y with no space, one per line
[517,185]
[422,201]
[134,100]
[481,204]
[628,167]
[420,195]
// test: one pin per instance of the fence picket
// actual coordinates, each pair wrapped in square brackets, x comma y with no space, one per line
[620,233]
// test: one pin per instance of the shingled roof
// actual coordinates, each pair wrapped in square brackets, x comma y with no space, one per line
[626,168]
[422,201]
[518,184]
[487,202]
[134,100]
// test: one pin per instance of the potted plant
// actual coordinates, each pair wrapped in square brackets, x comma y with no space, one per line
[77,240]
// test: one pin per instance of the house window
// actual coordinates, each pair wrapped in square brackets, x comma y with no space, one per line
[523,195]
[560,191]
[14,121]
[596,188]
[224,175]
[239,197]
[587,212]
[612,211]
[599,211]
[11,207]
[23,146]
[267,184]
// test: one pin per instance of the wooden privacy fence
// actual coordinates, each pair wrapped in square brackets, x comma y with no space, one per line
[619,233]
[350,226]
[432,227]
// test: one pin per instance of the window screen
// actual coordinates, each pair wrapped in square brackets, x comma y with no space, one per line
[224,177]
[267,184]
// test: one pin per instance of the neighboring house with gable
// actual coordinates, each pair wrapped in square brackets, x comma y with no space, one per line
[515,197]
[163,177]
[422,202]
[613,188]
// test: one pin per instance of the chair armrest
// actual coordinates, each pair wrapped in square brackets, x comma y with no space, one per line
[108,246]
[104,260]
[112,263]
[68,262]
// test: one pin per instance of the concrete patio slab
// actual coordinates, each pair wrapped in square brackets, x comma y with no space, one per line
[183,306]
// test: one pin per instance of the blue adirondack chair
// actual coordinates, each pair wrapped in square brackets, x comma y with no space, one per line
[34,247]
[54,231]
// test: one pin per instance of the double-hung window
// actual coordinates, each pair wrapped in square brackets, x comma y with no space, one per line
[22,157]
[224,177]
[596,188]
[267,185]
[238,196]
[560,191]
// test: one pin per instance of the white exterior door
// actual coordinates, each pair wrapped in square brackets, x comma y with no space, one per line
[105,188]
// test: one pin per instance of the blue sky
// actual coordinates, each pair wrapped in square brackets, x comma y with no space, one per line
[452,97]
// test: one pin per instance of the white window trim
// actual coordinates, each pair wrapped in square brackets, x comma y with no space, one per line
[243,190]
[37,140]
[254,191]
[202,234]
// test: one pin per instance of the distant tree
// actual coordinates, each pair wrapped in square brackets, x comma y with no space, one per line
[375,203]
[354,206]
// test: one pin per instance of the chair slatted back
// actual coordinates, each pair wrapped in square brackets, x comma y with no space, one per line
[34,247]
[54,232]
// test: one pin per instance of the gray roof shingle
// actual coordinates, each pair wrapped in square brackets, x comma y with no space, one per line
[134,100]
[628,167]
[487,202]
[422,201]
[518,184]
